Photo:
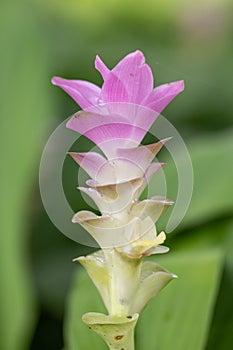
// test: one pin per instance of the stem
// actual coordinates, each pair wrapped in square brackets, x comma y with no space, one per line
[119,343]
[117,332]
[124,275]
[126,285]
[122,280]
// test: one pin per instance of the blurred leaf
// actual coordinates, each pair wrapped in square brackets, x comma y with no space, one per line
[24,110]
[151,11]
[213,172]
[220,336]
[180,316]
[211,235]
[176,319]
[85,11]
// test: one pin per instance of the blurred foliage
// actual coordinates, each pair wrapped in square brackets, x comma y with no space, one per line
[103,12]
[23,121]
[212,196]
[181,40]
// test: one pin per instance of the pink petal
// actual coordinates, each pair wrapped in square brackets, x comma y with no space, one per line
[108,132]
[116,171]
[101,67]
[114,131]
[91,162]
[151,170]
[83,121]
[84,93]
[123,169]
[107,172]
[162,95]
[149,173]
[130,81]
[100,170]
[143,155]
[113,90]
[139,116]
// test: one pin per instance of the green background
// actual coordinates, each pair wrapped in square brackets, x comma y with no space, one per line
[41,290]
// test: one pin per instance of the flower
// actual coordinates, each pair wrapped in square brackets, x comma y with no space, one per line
[121,112]
[131,81]
[116,118]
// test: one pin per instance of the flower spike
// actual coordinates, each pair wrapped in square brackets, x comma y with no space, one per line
[116,117]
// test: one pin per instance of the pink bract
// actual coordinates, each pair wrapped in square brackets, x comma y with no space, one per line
[130,81]
[119,114]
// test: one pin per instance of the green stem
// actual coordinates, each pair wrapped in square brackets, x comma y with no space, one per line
[126,285]
[119,343]
[124,277]
[118,279]
[117,332]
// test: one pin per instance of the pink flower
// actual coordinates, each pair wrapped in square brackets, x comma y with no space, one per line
[116,118]
[131,81]
[122,111]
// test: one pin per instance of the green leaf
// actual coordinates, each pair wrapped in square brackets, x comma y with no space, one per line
[179,317]
[213,172]
[24,110]
[220,336]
